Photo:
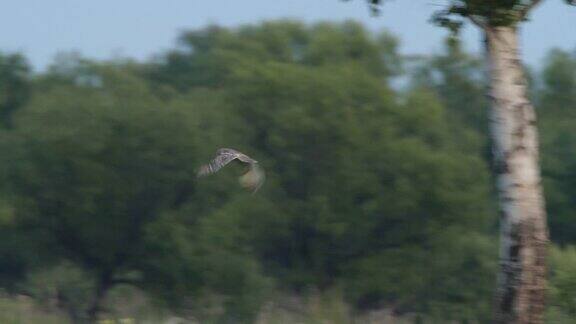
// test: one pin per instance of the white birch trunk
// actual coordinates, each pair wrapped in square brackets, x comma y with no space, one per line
[523,235]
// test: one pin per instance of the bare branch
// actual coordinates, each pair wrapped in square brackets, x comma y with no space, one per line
[463,11]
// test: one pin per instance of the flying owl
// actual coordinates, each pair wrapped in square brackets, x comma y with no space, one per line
[251,180]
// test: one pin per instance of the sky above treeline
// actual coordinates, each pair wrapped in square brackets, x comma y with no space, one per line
[142,28]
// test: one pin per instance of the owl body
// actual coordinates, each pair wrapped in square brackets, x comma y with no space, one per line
[251,180]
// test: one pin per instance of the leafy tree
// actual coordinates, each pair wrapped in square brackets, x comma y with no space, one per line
[93,174]
[96,170]
[205,58]
[353,193]
[63,286]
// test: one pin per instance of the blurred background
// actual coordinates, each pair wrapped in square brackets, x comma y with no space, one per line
[378,206]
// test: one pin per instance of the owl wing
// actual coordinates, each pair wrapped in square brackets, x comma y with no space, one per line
[223,157]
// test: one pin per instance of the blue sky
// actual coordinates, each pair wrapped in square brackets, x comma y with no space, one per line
[142,28]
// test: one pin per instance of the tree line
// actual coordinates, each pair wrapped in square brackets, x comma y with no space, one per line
[380,191]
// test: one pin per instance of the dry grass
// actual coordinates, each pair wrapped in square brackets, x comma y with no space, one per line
[129,306]
[23,310]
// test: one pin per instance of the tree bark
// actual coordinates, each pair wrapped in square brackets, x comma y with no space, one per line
[523,231]
[103,285]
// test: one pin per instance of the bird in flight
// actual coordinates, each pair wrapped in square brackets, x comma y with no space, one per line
[251,180]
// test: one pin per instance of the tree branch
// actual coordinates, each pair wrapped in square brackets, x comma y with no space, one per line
[524,13]
[478,22]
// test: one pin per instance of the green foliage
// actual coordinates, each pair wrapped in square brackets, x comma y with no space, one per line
[457,79]
[356,173]
[206,267]
[206,58]
[556,99]
[94,167]
[559,88]
[563,283]
[14,85]
[97,164]
[63,286]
